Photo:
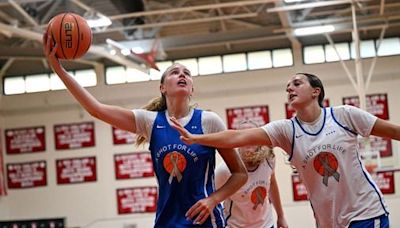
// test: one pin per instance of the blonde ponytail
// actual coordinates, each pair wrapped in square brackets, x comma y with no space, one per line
[156,104]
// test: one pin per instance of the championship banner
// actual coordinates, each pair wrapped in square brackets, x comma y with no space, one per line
[37,223]
[25,140]
[377,104]
[383,145]
[122,137]
[299,190]
[257,114]
[137,200]
[73,136]
[290,111]
[133,165]
[76,170]
[385,181]
[26,175]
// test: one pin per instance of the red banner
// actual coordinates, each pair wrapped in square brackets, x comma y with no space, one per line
[377,104]
[290,111]
[25,140]
[122,137]
[385,181]
[133,165]
[26,175]
[76,170]
[258,114]
[299,189]
[137,200]
[383,145]
[76,135]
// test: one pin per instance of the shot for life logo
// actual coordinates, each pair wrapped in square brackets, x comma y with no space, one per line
[258,196]
[174,163]
[326,165]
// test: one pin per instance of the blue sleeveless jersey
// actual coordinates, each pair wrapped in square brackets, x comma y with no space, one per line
[185,174]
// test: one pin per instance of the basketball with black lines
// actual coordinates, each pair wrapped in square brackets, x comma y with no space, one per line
[72,35]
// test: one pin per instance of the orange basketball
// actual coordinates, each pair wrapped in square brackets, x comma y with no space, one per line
[72,34]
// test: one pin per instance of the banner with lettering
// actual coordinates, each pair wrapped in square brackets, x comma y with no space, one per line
[299,189]
[383,145]
[26,175]
[290,112]
[133,165]
[385,181]
[76,170]
[257,114]
[75,135]
[377,104]
[36,223]
[122,137]
[137,200]
[25,140]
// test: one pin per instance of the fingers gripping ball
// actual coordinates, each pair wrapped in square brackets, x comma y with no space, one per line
[72,35]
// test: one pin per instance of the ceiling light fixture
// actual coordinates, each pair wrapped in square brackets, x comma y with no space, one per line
[291,1]
[314,30]
[98,21]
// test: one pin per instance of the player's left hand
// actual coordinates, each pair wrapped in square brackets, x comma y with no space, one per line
[281,223]
[201,210]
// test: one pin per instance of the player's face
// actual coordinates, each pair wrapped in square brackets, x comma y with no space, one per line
[299,91]
[177,82]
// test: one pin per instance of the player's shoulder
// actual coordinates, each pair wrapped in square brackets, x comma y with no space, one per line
[345,110]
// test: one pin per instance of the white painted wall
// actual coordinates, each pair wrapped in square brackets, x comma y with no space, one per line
[94,204]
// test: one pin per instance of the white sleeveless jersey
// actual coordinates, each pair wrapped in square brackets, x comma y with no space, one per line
[326,156]
[250,205]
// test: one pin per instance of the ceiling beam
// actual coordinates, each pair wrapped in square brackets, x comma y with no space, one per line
[191,8]
[312,5]
[180,22]
[97,50]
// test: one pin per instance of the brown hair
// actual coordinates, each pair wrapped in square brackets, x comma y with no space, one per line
[315,82]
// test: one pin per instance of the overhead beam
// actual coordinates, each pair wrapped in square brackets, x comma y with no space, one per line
[191,8]
[23,13]
[180,22]
[311,5]
[97,50]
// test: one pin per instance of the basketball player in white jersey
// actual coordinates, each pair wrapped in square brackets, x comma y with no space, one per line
[322,145]
[250,206]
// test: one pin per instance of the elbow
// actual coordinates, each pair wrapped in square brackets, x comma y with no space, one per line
[95,111]
[94,114]
[243,178]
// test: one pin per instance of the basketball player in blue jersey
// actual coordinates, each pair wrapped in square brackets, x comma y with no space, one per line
[251,206]
[185,173]
[322,145]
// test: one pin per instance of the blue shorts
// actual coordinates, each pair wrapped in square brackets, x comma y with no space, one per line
[381,222]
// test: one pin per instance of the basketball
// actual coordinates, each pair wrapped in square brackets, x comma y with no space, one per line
[72,35]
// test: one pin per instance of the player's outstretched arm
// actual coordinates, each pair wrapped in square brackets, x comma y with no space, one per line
[384,128]
[224,139]
[114,115]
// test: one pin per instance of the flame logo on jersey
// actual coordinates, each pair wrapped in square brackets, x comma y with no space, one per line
[174,163]
[258,196]
[326,165]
